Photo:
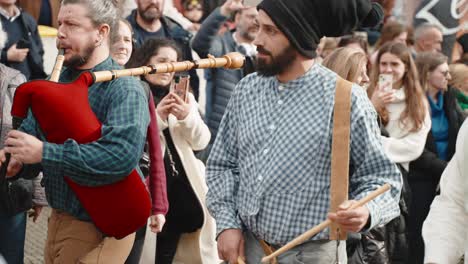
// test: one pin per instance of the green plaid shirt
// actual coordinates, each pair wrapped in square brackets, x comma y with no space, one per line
[121,106]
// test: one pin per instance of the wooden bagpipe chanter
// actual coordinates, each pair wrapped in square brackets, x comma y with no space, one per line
[63,112]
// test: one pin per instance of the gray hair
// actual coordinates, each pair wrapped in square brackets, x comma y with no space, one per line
[101,12]
[3,37]
[420,30]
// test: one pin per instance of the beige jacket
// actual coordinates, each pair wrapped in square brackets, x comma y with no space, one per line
[189,135]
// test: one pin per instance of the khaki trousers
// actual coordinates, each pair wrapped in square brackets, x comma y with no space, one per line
[71,241]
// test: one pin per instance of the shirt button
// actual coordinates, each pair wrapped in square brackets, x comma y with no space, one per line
[280,102]
[260,178]
[281,87]
[265,151]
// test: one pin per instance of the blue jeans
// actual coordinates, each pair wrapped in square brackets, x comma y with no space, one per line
[13,232]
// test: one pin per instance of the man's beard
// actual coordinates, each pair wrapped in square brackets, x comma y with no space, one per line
[80,59]
[248,34]
[278,64]
[150,17]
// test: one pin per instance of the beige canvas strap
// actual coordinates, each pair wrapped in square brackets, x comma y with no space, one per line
[340,151]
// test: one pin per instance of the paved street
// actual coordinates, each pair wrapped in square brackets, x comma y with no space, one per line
[35,239]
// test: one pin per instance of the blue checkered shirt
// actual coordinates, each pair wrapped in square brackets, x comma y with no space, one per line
[122,108]
[269,169]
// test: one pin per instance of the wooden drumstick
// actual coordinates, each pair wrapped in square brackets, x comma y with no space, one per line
[311,232]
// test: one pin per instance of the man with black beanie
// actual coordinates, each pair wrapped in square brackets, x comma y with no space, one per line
[269,170]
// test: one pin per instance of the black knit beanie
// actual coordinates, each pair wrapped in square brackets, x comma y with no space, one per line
[305,22]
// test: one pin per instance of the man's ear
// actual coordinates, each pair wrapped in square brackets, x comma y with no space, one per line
[103,33]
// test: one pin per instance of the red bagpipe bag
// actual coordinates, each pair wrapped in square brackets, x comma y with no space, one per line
[63,112]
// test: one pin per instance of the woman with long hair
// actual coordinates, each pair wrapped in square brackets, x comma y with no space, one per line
[350,64]
[425,172]
[405,119]
[188,235]
[403,108]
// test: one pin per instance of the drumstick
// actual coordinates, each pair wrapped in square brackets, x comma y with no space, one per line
[311,232]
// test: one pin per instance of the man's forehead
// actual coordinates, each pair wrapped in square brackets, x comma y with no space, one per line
[264,19]
[72,11]
[250,11]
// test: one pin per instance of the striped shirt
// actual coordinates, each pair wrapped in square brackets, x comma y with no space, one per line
[269,169]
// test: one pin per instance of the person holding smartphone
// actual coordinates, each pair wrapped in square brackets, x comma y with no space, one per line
[182,131]
[23,50]
[447,118]
[403,108]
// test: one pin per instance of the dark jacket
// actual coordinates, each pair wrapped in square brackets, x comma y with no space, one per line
[34,8]
[175,32]
[388,243]
[220,82]
[424,176]
[30,35]
[428,166]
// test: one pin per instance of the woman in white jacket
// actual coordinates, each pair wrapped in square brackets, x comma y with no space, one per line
[188,235]
[405,122]
[445,231]
[402,105]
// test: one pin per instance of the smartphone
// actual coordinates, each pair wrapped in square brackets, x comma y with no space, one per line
[23,44]
[180,86]
[385,82]
[251,2]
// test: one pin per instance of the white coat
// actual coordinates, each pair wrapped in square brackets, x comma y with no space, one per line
[188,135]
[445,230]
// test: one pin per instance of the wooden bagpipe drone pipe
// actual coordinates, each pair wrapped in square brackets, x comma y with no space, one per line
[63,112]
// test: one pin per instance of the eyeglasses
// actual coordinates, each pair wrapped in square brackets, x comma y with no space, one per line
[194,7]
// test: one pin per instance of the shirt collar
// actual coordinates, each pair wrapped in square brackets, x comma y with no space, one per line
[299,82]
[4,13]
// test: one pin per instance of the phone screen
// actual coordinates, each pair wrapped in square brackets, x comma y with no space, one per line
[180,86]
[385,82]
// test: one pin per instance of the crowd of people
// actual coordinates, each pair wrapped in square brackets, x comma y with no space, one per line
[241,163]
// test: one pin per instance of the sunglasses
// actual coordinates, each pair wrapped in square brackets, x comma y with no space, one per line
[194,7]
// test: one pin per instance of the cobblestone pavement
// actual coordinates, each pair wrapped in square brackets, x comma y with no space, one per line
[36,234]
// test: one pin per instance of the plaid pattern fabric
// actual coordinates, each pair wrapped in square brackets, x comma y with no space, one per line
[269,169]
[122,107]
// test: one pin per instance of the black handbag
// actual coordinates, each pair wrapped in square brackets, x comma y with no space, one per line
[15,196]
